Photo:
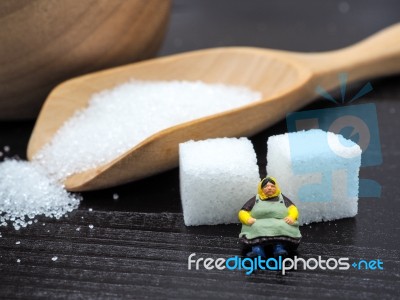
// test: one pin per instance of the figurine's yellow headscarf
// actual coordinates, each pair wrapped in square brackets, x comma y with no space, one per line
[261,193]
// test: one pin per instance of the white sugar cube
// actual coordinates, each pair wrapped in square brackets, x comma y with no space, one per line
[318,171]
[217,176]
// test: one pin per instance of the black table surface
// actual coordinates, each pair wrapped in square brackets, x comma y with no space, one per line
[139,246]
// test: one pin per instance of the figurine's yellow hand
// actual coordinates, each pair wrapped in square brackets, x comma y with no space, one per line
[289,220]
[251,221]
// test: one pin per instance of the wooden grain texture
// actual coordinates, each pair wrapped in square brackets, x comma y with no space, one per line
[45,42]
[286,80]
[137,254]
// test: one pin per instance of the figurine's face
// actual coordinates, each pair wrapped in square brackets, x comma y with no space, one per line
[269,189]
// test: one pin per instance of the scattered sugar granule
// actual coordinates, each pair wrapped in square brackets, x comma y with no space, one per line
[26,190]
[54,258]
[115,196]
[18,260]
[17,242]
[120,118]
[91,226]
[6,148]
[90,209]
[78,228]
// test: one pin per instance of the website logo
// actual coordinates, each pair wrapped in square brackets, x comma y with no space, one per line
[358,123]
[249,265]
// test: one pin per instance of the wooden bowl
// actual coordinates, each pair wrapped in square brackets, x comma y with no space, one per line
[45,42]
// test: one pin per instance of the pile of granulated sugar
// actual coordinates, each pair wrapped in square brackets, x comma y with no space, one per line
[26,191]
[114,121]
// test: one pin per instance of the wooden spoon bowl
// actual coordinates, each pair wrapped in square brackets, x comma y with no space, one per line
[286,80]
[45,42]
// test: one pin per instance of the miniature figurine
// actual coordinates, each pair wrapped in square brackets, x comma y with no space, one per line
[269,219]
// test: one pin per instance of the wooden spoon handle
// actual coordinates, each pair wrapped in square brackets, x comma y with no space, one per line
[377,55]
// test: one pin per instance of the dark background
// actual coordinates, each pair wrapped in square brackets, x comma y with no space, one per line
[139,246]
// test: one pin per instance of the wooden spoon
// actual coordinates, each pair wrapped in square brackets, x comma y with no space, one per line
[287,81]
[43,43]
